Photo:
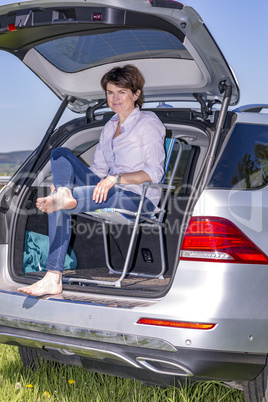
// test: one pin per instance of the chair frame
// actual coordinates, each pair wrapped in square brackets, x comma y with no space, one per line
[141,220]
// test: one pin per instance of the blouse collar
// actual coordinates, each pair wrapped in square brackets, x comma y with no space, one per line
[130,117]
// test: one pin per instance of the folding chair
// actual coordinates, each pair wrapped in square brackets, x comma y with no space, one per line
[113,216]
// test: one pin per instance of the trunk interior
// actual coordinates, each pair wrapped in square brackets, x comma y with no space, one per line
[81,137]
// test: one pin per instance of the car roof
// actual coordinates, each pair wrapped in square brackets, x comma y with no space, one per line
[71,44]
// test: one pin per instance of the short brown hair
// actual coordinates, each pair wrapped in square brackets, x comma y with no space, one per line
[129,77]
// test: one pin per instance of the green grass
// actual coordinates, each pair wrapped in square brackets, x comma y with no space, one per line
[62,383]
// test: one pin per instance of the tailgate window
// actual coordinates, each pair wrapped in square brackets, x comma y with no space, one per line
[244,162]
[75,53]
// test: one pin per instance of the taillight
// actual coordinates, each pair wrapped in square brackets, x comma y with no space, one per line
[219,240]
[176,324]
[11,27]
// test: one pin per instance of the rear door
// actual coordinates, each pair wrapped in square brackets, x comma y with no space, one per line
[70,45]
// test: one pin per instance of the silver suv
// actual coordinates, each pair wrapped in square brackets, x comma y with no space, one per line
[207,318]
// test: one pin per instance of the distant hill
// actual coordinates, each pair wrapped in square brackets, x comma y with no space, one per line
[17,157]
[11,161]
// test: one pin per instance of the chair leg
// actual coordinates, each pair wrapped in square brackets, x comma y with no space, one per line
[129,251]
[106,251]
[162,254]
[127,260]
[125,272]
[130,246]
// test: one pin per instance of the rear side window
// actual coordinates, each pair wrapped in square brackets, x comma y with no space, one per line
[244,162]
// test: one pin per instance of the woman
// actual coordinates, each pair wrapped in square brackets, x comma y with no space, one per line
[130,152]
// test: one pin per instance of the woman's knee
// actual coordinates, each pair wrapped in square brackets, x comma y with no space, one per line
[61,151]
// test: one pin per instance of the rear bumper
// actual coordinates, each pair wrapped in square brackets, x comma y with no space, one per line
[144,364]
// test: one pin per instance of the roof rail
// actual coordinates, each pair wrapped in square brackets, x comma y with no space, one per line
[254,108]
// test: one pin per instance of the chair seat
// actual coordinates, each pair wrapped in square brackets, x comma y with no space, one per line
[115,216]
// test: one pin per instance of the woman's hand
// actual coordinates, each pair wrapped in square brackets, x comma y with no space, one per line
[52,188]
[102,188]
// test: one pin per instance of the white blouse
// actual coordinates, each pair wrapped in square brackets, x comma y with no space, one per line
[140,146]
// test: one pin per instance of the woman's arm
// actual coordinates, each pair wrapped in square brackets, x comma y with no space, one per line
[102,188]
[135,177]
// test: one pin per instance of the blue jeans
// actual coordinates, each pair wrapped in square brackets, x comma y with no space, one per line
[68,171]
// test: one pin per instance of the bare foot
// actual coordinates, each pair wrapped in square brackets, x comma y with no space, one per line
[62,199]
[51,284]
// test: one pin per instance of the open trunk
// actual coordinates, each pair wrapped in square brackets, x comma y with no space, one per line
[87,241]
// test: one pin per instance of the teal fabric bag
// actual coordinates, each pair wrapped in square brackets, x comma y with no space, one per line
[35,253]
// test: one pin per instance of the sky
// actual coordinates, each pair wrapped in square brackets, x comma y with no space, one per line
[239,27]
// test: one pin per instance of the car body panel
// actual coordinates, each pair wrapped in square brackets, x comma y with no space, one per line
[246,209]
[201,292]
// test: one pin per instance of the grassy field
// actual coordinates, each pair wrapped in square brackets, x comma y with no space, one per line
[61,383]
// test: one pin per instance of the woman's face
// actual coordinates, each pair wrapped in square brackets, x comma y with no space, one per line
[121,100]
